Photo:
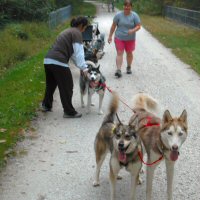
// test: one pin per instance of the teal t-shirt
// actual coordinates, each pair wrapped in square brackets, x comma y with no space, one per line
[124,23]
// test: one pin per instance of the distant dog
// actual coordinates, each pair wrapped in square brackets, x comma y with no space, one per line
[91,54]
[123,143]
[162,139]
[93,83]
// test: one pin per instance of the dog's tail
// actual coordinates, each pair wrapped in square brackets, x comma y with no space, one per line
[114,104]
[145,101]
[90,63]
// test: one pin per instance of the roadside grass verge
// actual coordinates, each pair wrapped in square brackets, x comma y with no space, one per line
[20,41]
[182,40]
[22,84]
[21,90]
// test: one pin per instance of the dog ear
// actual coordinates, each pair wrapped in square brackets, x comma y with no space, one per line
[118,119]
[166,117]
[98,67]
[89,67]
[134,122]
[183,116]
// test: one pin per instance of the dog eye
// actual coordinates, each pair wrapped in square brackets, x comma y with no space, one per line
[127,137]
[180,134]
[117,136]
[169,133]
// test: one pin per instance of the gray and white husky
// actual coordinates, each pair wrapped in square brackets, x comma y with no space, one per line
[161,138]
[123,143]
[93,83]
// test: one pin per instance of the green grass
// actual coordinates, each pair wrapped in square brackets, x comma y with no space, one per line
[23,82]
[21,90]
[184,41]
[20,41]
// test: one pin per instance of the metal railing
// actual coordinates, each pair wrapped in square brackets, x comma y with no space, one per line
[185,16]
[59,16]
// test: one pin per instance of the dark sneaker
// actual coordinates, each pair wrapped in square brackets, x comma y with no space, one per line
[128,70]
[77,115]
[45,109]
[118,73]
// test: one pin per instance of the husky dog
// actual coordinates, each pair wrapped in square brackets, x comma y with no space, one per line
[123,143]
[162,139]
[94,82]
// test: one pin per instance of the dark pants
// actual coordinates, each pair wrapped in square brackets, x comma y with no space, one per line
[61,77]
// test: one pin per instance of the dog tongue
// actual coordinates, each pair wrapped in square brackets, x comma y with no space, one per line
[174,155]
[93,84]
[122,157]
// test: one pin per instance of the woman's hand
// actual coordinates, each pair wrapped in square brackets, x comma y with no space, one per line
[109,39]
[84,72]
[131,31]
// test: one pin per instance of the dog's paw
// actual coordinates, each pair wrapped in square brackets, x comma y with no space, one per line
[139,180]
[100,112]
[96,183]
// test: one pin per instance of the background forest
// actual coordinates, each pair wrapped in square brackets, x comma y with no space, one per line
[38,10]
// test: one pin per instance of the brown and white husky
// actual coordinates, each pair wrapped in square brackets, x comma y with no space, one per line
[161,138]
[123,143]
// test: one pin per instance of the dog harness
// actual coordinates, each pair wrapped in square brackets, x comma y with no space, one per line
[149,122]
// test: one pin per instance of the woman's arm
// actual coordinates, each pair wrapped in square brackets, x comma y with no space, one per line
[79,56]
[136,28]
[112,29]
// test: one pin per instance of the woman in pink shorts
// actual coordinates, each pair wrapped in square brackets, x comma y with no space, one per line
[125,24]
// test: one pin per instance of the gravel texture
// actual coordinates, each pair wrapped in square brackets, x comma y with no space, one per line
[56,162]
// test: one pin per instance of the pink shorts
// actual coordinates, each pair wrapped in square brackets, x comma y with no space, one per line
[122,45]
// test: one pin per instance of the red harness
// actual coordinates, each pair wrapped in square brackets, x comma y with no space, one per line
[140,153]
[149,122]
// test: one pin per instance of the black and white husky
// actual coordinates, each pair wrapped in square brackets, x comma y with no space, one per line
[93,83]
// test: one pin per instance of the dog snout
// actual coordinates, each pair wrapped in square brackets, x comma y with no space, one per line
[175,147]
[121,145]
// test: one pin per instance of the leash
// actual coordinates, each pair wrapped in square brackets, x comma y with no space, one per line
[149,123]
[149,164]
[105,86]
[146,125]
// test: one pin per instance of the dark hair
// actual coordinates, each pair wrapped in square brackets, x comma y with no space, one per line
[128,2]
[75,22]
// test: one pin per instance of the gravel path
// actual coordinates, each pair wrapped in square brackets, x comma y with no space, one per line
[56,162]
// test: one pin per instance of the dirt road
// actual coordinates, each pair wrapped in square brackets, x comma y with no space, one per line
[57,161]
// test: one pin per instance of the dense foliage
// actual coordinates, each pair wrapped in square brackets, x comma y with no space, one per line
[155,7]
[34,10]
